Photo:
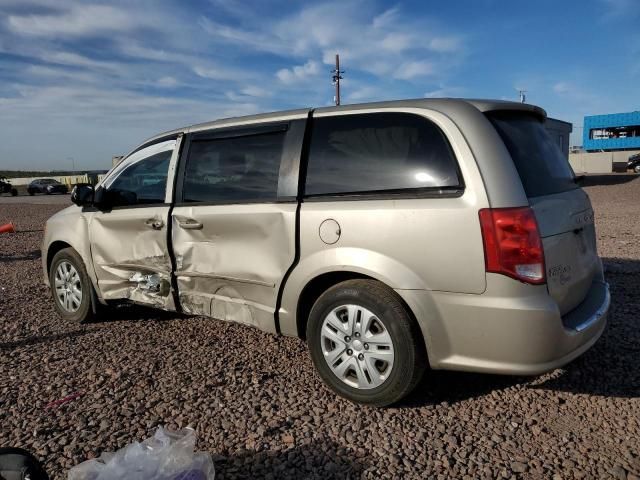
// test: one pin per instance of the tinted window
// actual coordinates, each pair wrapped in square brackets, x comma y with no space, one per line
[233,169]
[542,166]
[142,182]
[377,152]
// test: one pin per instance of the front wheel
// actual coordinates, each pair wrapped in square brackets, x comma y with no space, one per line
[14,192]
[70,286]
[636,169]
[30,192]
[365,344]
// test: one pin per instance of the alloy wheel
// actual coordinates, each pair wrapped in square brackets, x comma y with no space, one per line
[68,287]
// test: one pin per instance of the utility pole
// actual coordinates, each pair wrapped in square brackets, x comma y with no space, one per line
[336,79]
[523,96]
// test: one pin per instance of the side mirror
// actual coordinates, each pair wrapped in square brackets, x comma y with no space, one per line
[82,195]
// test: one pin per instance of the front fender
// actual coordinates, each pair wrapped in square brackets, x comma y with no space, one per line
[69,226]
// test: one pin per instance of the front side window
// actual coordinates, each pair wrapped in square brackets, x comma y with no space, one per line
[142,179]
[378,152]
[233,170]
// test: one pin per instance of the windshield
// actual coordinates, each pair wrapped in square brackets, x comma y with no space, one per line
[542,167]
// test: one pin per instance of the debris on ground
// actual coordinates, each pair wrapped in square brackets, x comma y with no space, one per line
[62,401]
[168,455]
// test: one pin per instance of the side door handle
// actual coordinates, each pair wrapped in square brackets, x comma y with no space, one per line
[154,223]
[189,224]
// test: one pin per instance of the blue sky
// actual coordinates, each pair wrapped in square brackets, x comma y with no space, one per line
[90,79]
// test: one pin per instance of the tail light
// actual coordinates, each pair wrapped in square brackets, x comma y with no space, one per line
[512,243]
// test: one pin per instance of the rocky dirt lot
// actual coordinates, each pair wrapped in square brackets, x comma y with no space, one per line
[260,409]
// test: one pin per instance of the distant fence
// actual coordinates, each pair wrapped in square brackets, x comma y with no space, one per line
[600,162]
[68,180]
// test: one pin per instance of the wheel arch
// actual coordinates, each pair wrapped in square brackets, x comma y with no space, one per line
[321,283]
[54,248]
[68,231]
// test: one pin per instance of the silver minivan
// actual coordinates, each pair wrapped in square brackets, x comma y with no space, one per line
[393,237]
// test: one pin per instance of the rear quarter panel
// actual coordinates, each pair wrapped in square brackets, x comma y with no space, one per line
[406,243]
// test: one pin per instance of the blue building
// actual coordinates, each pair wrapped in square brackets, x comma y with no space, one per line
[616,131]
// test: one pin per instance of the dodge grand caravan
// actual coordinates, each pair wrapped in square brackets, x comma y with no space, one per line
[395,236]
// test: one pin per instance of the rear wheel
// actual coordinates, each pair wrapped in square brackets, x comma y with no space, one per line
[71,286]
[636,169]
[364,343]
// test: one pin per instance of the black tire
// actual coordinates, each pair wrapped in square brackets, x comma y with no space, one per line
[410,358]
[31,192]
[84,313]
[14,192]
[636,169]
[19,463]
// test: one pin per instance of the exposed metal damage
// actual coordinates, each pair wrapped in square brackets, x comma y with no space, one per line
[224,304]
[151,283]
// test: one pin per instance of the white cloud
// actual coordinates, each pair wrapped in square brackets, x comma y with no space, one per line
[248,38]
[79,20]
[415,69]
[65,81]
[613,9]
[167,81]
[376,44]
[253,91]
[561,88]
[397,42]
[445,44]
[385,18]
[134,49]
[444,91]
[299,72]
[221,73]
[363,94]
[76,60]
[59,74]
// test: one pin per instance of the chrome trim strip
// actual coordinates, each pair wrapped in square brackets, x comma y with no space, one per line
[223,277]
[602,310]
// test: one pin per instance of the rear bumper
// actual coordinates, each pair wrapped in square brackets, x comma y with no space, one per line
[521,334]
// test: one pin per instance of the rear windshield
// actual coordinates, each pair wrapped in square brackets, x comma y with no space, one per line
[542,166]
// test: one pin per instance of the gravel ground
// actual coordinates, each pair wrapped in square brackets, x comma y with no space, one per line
[260,409]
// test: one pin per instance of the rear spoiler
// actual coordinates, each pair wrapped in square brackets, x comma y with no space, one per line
[486,106]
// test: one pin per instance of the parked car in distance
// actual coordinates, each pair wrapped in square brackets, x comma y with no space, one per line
[6,187]
[393,237]
[634,163]
[47,186]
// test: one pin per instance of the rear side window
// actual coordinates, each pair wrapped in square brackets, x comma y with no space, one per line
[542,166]
[229,170]
[378,152]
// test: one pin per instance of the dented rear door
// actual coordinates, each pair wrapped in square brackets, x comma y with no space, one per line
[234,222]
[129,240]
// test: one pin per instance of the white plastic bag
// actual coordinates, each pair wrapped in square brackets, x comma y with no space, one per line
[165,456]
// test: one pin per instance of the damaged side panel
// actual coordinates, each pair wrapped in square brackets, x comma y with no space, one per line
[232,266]
[130,255]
